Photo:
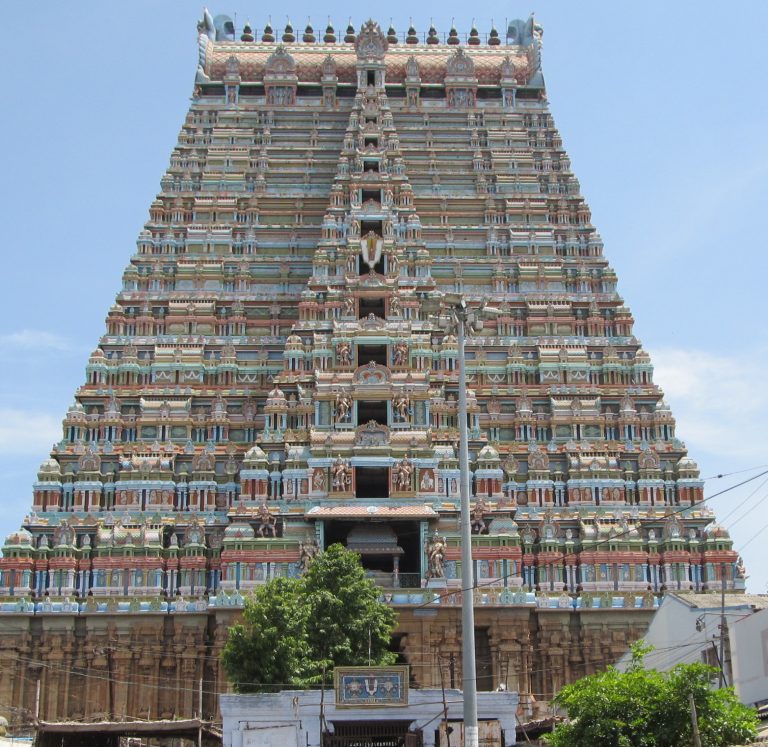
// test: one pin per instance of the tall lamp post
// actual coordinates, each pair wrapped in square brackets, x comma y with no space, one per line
[457,318]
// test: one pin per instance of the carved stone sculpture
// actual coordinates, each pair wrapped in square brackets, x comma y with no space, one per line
[402,473]
[342,475]
[436,556]
[266,526]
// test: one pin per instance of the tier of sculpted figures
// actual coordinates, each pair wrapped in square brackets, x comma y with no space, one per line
[436,556]
[341,475]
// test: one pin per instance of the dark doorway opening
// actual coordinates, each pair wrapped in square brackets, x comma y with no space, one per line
[371,140]
[371,482]
[483,659]
[373,306]
[407,533]
[371,225]
[371,166]
[371,194]
[368,353]
[370,77]
[371,410]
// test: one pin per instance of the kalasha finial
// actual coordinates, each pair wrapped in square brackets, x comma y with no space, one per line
[493,37]
[411,38]
[247,35]
[432,35]
[350,35]
[309,33]
[453,35]
[474,36]
[268,34]
[288,35]
[330,34]
[391,34]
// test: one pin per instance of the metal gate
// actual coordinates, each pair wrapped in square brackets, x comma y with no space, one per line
[371,734]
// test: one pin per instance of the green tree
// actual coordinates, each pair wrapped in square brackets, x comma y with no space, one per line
[268,650]
[295,630]
[345,617]
[647,708]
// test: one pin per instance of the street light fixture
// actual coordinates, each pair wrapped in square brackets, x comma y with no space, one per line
[453,314]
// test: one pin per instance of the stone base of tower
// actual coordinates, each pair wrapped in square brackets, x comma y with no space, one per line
[150,665]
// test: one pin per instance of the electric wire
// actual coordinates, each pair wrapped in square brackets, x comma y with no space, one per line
[741,503]
[754,537]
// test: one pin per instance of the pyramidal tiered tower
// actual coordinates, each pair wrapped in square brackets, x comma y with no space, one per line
[271,382]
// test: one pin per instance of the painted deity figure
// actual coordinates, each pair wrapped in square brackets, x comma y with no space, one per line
[427,481]
[401,405]
[308,552]
[349,306]
[395,309]
[318,480]
[344,353]
[478,517]
[342,475]
[400,353]
[343,407]
[402,474]
[436,556]
[266,522]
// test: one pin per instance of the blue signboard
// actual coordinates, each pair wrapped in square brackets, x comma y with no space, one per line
[371,686]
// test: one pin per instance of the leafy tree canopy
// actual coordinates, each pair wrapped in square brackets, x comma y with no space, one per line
[295,630]
[647,708]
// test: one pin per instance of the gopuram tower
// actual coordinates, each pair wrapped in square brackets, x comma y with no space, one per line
[271,381]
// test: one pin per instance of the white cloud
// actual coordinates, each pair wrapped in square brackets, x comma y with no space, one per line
[718,401]
[28,433]
[34,339]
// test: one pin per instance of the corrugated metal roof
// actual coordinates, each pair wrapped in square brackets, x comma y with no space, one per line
[712,599]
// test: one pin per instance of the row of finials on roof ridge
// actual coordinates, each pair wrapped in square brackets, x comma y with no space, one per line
[222,28]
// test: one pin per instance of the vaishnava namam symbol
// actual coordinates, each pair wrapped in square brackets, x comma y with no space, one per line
[372,247]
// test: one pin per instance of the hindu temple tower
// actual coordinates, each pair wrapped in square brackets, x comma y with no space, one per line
[270,382]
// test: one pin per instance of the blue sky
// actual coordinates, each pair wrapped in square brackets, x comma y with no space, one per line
[662,108]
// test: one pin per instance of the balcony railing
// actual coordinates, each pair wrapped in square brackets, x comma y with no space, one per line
[392,580]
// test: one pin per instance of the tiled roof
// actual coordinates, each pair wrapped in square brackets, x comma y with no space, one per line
[417,511]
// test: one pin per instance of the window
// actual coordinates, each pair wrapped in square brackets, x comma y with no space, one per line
[373,306]
[371,410]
